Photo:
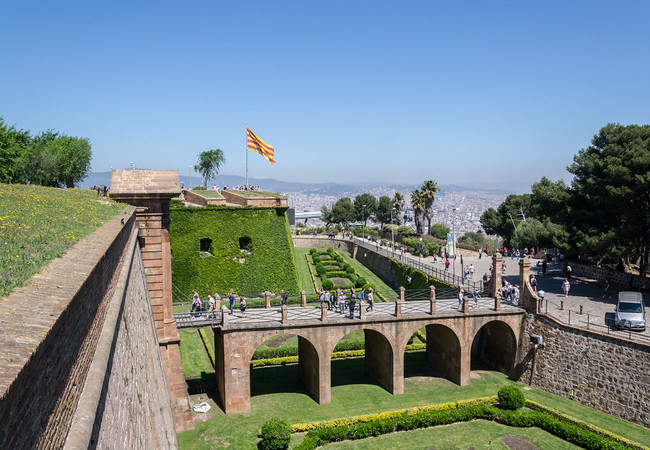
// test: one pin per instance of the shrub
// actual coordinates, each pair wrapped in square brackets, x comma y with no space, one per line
[313,251]
[405,231]
[511,397]
[349,269]
[368,286]
[276,434]
[328,284]
[360,282]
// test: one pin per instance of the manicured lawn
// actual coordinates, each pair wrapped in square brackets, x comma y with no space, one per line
[373,279]
[195,360]
[304,279]
[475,434]
[208,194]
[39,224]
[277,392]
[252,194]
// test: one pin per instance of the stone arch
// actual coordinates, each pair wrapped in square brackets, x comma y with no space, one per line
[495,344]
[443,349]
[234,352]
[381,362]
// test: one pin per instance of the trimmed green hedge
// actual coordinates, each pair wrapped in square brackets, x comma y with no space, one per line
[423,419]
[419,280]
[267,262]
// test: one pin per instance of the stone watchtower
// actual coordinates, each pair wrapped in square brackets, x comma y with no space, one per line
[150,192]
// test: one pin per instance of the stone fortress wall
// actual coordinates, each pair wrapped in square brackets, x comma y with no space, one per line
[49,393]
[605,372]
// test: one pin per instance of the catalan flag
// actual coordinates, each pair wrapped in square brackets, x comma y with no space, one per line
[257,145]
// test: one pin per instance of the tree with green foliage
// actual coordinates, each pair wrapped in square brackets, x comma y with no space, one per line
[419,206]
[398,204]
[429,189]
[365,205]
[74,159]
[342,212]
[385,210]
[13,144]
[439,230]
[473,240]
[505,219]
[209,164]
[611,195]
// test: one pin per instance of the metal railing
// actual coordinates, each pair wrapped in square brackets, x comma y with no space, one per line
[588,320]
[444,275]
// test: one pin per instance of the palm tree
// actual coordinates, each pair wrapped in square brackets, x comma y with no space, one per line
[209,163]
[418,203]
[398,204]
[429,189]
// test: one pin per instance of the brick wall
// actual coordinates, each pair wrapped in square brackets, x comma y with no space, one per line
[135,403]
[50,330]
[597,370]
[619,279]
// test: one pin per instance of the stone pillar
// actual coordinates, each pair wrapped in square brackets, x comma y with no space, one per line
[465,363]
[303,299]
[323,312]
[398,309]
[497,303]
[284,315]
[432,300]
[232,372]
[465,305]
[527,296]
[267,299]
[402,294]
[150,191]
[495,280]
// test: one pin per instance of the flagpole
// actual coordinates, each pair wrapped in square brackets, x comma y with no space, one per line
[246,149]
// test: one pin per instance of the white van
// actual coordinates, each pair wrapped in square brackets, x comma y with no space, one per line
[630,312]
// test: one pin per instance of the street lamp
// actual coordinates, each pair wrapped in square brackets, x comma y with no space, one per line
[453,240]
[392,230]
[363,222]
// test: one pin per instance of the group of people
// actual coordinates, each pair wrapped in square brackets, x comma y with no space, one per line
[198,306]
[461,297]
[338,300]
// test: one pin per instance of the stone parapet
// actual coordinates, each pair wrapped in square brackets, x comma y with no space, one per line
[196,198]
[598,370]
[50,329]
[258,200]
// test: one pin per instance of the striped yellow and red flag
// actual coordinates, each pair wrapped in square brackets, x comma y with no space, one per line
[257,145]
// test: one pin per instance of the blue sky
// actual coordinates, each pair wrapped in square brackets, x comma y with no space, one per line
[471,93]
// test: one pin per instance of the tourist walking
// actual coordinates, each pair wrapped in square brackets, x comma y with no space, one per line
[242,306]
[533,283]
[352,305]
[371,300]
[476,297]
[461,296]
[283,297]
[544,267]
[211,303]
[608,291]
[196,303]
[231,298]
[566,286]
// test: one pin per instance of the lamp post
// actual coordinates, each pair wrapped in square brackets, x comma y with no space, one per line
[363,222]
[392,230]
[453,240]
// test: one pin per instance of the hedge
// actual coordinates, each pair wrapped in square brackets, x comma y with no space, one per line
[428,418]
[419,280]
[292,355]
[267,264]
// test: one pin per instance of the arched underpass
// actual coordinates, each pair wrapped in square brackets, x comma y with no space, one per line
[494,346]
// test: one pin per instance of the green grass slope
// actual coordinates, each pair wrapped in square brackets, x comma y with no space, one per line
[267,262]
[39,224]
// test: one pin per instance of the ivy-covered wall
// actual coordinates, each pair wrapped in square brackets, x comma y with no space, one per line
[266,263]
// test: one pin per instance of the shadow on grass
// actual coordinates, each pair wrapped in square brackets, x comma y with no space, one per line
[205,384]
[276,379]
[350,371]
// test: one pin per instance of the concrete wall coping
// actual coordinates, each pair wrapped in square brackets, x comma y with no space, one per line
[84,418]
[30,311]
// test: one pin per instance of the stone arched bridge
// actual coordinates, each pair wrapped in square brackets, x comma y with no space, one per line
[491,329]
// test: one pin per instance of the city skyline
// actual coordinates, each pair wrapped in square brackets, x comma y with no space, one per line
[483,95]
